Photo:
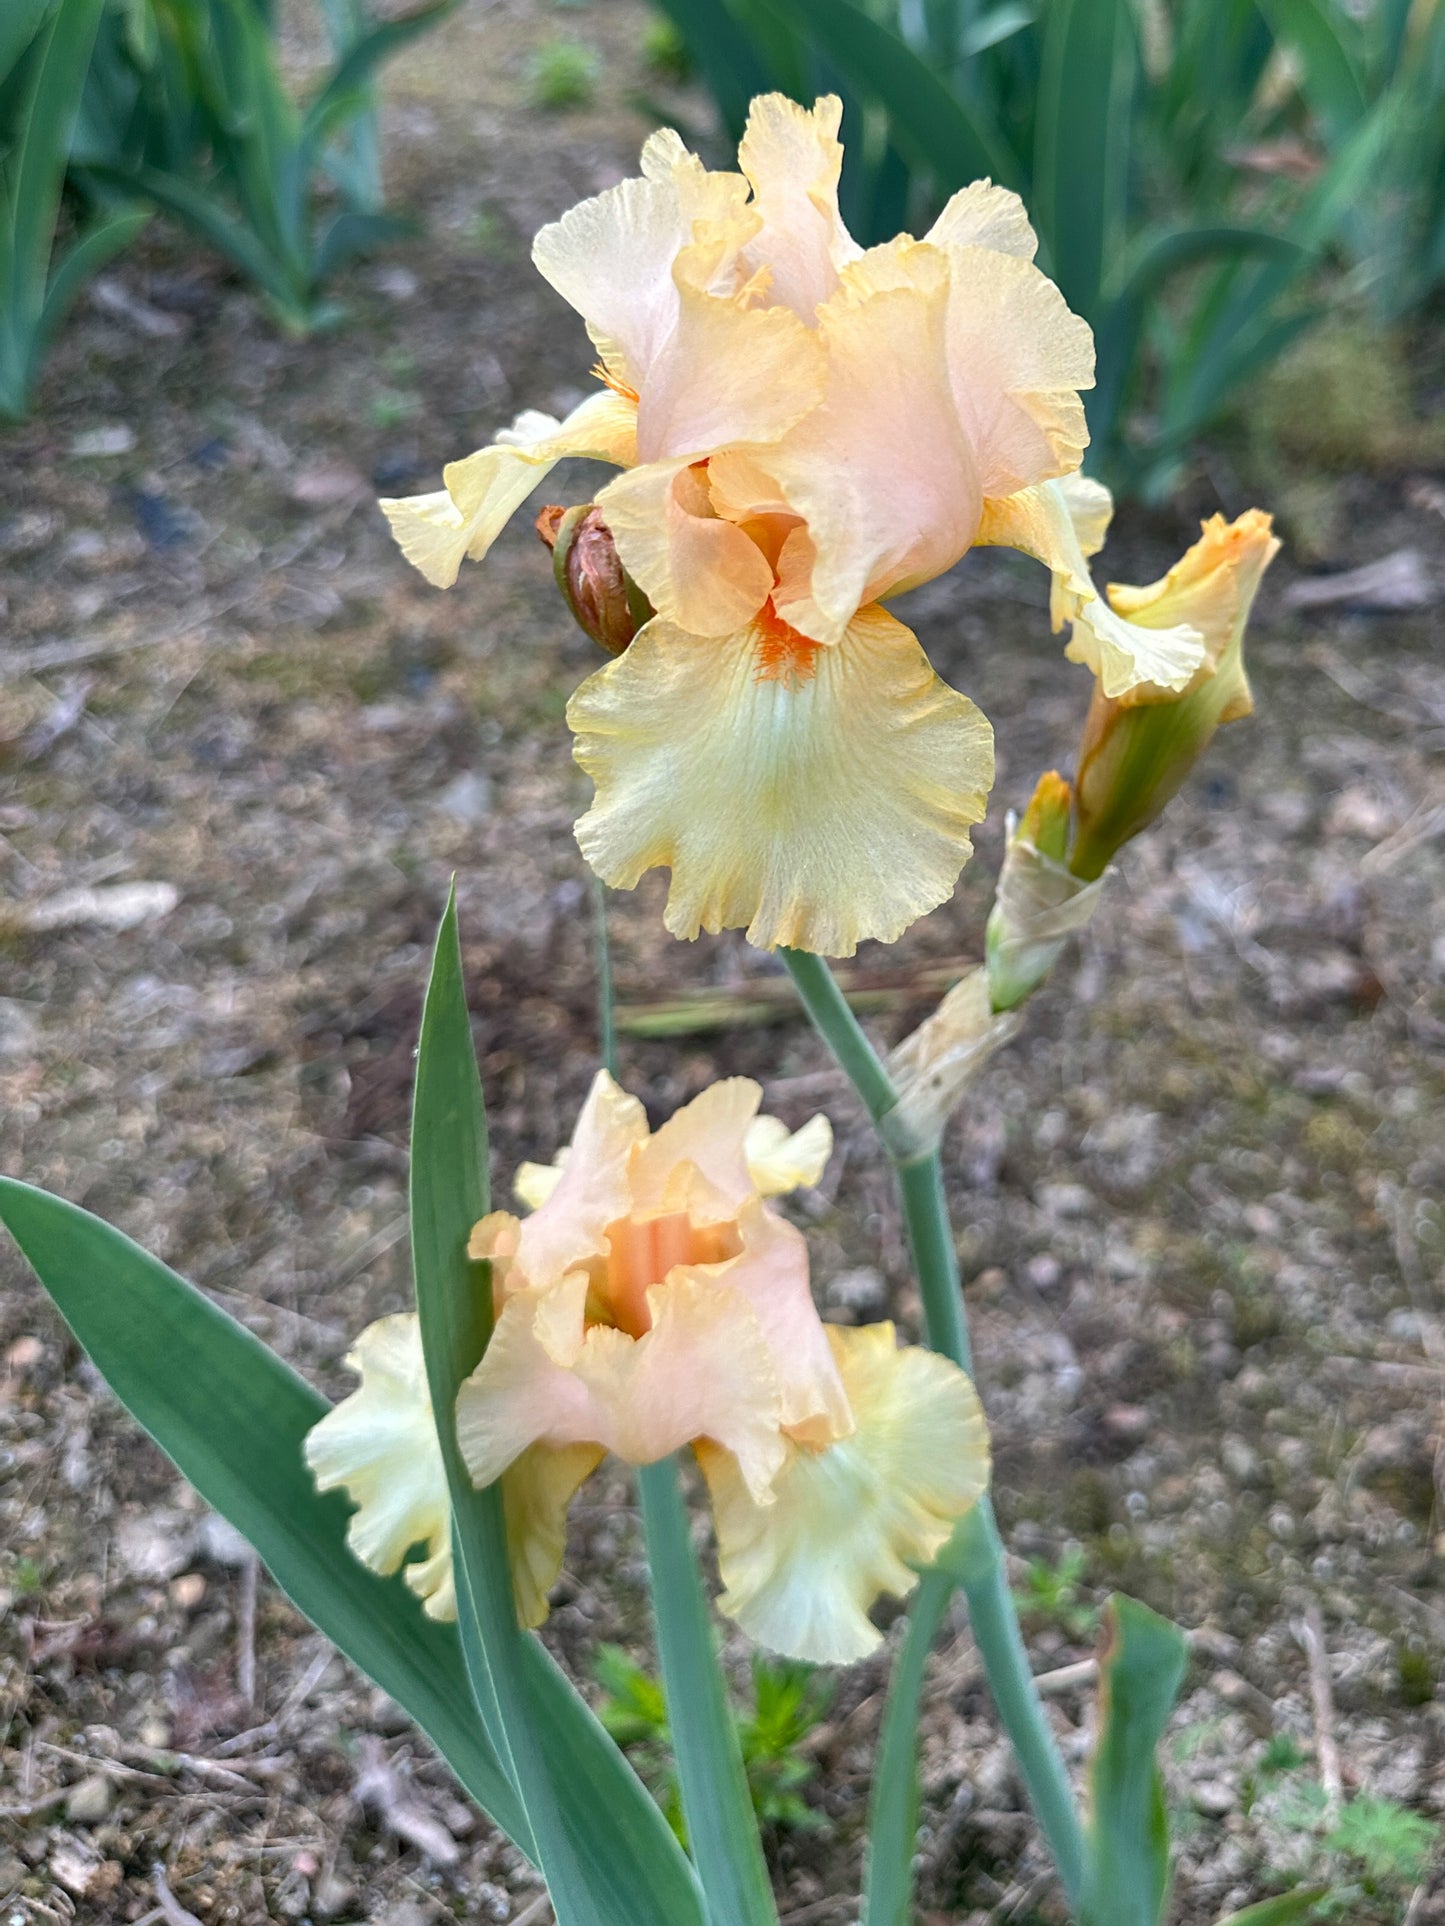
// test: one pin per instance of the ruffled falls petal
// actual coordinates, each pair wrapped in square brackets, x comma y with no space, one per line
[536,1492]
[852,1521]
[1056,523]
[483,492]
[817,796]
[380,1446]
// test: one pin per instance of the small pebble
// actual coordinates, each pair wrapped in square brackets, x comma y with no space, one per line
[90,1800]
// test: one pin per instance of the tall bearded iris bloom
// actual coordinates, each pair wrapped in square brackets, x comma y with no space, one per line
[652,1300]
[806,428]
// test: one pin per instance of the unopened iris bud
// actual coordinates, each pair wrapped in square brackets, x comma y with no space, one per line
[1138,748]
[1039,903]
[602,596]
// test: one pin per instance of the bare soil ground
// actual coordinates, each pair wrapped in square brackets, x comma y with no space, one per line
[1199,1199]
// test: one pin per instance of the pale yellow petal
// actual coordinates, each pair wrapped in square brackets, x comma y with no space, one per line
[534,1183]
[982,215]
[883,473]
[612,257]
[380,1446]
[1212,587]
[483,492]
[780,1160]
[816,800]
[793,158]
[851,1522]
[535,1495]
[1017,358]
[1124,655]
[701,572]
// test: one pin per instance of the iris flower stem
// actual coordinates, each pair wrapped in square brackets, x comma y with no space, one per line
[721,1827]
[975,1558]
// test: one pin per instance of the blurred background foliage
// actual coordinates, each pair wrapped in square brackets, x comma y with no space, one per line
[1209,178]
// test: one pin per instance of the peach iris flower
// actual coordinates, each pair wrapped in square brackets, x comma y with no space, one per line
[806,427]
[654,1300]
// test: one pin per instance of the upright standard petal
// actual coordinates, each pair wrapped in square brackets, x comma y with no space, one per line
[612,257]
[882,473]
[856,1519]
[1017,359]
[1055,523]
[982,215]
[793,159]
[817,796]
[484,491]
[568,1227]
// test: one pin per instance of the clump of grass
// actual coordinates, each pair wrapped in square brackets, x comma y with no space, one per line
[789,1702]
[563,73]
[664,52]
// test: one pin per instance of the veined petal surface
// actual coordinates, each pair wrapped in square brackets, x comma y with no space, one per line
[854,1520]
[815,796]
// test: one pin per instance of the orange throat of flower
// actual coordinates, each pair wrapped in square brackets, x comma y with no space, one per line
[784,654]
[615,382]
[641,1251]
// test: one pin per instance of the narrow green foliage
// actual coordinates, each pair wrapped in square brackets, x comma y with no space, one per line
[194,118]
[1140,1670]
[1284,1910]
[45,48]
[1392,1845]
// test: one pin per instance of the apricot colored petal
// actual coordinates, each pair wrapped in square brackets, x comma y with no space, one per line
[703,1370]
[709,1133]
[700,572]
[982,215]
[536,1492]
[380,1446]
[793,158]
[482,493]
[781,1160]
[570,1225]
[612,257]
[883,472]
[772,1274]
[815,808]
[1017,357]
[849,1523]
[730,372]
[534,1183]
[1124,655]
